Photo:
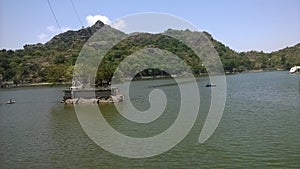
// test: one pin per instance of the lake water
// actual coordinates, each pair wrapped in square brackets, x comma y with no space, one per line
[259,128]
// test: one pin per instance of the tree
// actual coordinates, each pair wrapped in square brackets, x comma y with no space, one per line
[57,73]
[16,81]
[59,59]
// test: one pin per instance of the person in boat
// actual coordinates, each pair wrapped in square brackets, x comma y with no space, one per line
[10,101]
[210,85]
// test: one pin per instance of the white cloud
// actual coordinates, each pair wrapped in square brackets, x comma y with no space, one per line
[42,36]
[119,24]
[53,29]
[91,20]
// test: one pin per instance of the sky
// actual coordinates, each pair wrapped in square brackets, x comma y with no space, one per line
[243,25]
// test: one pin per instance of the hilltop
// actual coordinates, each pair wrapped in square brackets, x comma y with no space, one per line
[54,61]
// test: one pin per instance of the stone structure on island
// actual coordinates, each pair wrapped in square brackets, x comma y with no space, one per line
[78,94]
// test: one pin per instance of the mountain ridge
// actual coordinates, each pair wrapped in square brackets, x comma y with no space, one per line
[54,60]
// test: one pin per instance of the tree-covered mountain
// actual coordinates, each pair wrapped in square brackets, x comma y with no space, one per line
[54,61]
[279,60]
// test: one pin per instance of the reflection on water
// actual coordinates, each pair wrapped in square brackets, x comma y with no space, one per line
[259,128]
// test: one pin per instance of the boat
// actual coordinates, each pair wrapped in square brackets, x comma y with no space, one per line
[210,85]
[76,87]
[10,101]
[295,69]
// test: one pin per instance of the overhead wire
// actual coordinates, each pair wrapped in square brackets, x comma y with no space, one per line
[74,8]
[53,13]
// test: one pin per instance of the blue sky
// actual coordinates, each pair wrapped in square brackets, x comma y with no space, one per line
[243,25]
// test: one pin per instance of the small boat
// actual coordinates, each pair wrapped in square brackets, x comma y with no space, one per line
[210,85]
[10,101]
[295,69]
[75,87]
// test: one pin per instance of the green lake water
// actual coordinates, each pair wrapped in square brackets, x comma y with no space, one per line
[260,127]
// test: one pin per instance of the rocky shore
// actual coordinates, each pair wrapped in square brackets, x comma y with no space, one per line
[111,99]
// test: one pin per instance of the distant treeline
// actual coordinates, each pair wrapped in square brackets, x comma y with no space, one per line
[54,61]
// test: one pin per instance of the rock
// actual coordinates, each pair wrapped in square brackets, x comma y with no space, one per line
[117,98]
[112,99]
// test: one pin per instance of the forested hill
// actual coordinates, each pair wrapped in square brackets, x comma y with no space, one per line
[54,60]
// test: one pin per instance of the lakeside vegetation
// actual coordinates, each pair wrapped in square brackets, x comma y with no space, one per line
[54,61]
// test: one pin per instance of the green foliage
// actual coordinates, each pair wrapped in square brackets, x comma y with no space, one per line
[54,61]
[282,59]
[59,59]
[59,73]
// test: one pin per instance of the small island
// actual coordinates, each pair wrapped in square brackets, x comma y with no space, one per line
[80,95]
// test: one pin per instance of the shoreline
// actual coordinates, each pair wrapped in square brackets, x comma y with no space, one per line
[24,85]
[48,84]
